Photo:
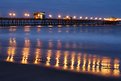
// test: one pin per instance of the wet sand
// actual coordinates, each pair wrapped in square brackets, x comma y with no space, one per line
[20,72]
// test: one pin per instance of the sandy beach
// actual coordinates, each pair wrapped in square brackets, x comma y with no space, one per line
[20,72]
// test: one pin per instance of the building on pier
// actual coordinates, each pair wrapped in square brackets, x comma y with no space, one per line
[111,19]
[39,15]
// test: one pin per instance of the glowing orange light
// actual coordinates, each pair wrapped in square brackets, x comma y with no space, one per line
[49,54]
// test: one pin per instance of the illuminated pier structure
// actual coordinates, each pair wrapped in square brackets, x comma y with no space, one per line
[48,21]
[40,19]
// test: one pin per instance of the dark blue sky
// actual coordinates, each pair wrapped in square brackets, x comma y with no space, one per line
[99,8]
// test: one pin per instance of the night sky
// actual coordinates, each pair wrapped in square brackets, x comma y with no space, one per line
[99,8]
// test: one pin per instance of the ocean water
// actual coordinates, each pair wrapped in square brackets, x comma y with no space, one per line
[94,50]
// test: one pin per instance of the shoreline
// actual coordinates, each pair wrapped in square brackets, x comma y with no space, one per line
[22,72]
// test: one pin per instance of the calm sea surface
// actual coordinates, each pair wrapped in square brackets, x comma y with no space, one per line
[95,50]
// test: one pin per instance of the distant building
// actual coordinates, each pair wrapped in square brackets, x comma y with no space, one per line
[111,19]
[39,15]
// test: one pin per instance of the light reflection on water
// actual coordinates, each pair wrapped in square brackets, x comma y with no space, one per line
[11,50]
[58,54]
[25,52]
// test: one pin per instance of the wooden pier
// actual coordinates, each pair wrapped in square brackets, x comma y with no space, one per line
[49,21]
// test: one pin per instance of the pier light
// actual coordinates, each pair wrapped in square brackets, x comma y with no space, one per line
[118,19]
[74,17]
[67,16]
[80,17]
[50,16]
[59,16]
[104,18]
[91,17]
[26,14]
[86,17]
[12,14]
[100,18]
[111,19]
[96,18]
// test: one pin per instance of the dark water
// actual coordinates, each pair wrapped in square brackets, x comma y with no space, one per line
[95,50]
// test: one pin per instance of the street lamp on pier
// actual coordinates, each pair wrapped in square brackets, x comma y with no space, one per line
[59,16]
[96,18]
[100,18]
[86,17]
[12,14]
[74,17]
[91,18]
[80,17]
[50,16]
[26,14]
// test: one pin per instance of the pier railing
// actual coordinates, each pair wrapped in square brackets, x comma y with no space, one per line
[49,21]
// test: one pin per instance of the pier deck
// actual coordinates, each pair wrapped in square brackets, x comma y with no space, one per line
[47,21]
